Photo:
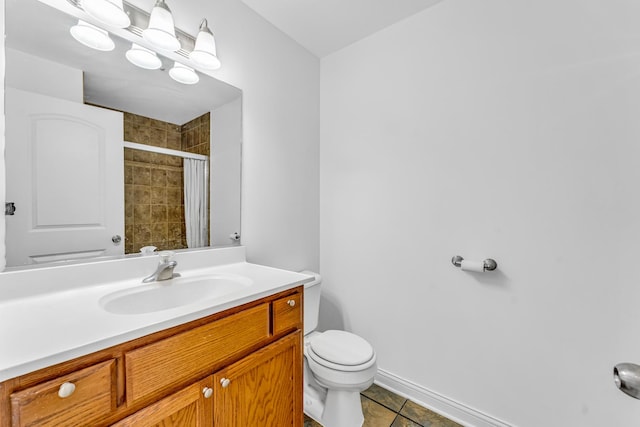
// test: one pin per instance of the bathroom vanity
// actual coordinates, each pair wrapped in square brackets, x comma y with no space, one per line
[239,364]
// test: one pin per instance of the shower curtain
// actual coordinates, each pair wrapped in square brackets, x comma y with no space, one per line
[195,202]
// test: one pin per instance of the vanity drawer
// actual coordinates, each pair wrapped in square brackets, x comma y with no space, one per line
[287,313]
[92,398]
[188,355]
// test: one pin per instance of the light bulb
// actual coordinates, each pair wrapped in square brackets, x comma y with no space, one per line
[92,36]
[110,12]
[143,57]
[183,74]
[204,52]
[161,31]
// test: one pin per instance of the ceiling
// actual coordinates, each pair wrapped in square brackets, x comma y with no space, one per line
[326,26]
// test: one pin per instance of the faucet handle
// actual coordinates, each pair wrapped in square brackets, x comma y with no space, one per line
[166,256]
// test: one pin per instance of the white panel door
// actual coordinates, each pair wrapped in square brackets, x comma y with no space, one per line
[65,174]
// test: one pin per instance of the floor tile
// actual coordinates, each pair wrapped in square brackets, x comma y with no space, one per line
[376,415]
[309,422]
[425,417]
[385,397]
[401,421]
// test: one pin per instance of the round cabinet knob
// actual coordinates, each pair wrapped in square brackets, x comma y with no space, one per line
[292,302]
[66,390]
[208,392]
[225,382]
[116,239]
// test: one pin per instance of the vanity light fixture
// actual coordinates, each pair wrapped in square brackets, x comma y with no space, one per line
[183,74]
[161,31]
[110,12]
[204,52]
[92,36]
[143,57]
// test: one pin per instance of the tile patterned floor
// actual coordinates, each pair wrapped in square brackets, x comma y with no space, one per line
[383,408]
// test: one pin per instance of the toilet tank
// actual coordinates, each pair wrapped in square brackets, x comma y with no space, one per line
[311,302]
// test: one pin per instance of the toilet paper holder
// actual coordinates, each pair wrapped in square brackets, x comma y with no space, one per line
[489,264]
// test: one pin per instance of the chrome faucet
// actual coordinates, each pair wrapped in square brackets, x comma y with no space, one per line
[164,270]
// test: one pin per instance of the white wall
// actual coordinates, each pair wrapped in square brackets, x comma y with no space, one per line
[33,74]
[226,186]
[280,83]
[503,129]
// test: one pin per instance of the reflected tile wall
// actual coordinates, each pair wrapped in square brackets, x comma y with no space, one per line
[154,195]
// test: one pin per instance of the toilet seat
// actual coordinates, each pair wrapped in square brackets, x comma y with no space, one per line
[341,351]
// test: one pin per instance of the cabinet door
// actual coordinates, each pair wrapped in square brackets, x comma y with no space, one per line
[190,406]
[262,390]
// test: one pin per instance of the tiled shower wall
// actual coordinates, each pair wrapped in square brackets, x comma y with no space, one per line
[154,196]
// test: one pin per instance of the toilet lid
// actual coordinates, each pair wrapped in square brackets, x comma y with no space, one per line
[341,348]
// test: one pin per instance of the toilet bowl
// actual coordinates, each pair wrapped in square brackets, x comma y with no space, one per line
[338,366]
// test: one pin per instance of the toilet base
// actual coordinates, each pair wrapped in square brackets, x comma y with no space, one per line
[331,408]
[342,409]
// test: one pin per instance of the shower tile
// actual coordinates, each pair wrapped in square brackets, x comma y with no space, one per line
[158,137]
[158,213]
[174,178]
[158,177]
[142,194]
[175,231]
[141,175]
[174,213]
[159,233]
[385,397]
[425,417]
[158,196]
[141,233]
[128,213]
[142,156]
[174,161]
[174,196]
[141,120]
[174,140]
[376,415]
[128,174]
[153,123]
[142,214]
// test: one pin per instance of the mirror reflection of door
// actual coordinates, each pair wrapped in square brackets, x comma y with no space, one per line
[64,161]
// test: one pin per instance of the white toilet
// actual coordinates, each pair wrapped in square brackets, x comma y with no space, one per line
[338,365]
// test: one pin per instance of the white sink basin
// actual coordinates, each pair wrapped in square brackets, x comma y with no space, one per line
[172,293]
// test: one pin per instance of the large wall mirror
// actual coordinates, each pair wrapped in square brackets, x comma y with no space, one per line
[106,159]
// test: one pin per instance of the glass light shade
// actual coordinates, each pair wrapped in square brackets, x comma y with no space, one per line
[143,57]
[183,74]
[110,12]
[92,36]
[204,52]
[161,31]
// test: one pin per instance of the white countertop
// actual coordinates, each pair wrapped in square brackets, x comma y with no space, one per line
[50,327]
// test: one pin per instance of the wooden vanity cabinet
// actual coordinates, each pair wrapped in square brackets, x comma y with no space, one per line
[263,389]
[241,367]
[191,406]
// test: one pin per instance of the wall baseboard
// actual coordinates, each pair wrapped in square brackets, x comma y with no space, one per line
[437,403]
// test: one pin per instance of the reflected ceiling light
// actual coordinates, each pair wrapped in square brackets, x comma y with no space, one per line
[161,31]
[92,36]
[183,74]
[204,52]
[143,57]
[109,12]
